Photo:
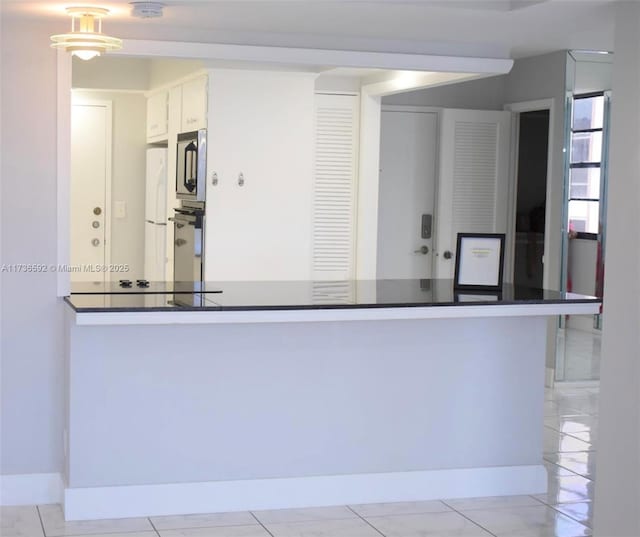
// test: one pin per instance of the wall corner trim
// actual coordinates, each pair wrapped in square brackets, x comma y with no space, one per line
[31,489]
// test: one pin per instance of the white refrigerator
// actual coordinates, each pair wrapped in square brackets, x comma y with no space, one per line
[155,216]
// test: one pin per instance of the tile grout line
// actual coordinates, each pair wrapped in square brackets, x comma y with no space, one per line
[469,519]
[260,522]
[554,507]
[571,472]
[588,477]
[569,516]
[365,520]
[153,526]
[41,522]
[581,440]
[117,533]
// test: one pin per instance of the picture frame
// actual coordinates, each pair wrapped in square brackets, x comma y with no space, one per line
[479,262]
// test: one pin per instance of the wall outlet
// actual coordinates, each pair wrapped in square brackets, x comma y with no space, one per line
[121,209]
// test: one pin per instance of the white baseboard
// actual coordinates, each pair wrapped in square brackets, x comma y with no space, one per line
[570,384]
[31,489]
[226,496]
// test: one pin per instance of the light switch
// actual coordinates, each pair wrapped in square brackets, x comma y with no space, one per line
[121,209]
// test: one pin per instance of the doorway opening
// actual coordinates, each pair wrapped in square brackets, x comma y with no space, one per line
[531,195]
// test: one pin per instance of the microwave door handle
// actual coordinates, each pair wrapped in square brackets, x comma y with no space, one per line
[194,163]
[191,148]
[184,175]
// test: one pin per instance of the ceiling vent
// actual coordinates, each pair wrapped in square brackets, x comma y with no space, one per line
[146,10]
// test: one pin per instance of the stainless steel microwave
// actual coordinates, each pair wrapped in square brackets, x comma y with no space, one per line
[191,165]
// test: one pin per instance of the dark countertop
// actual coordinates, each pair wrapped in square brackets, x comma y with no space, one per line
[300,295]
[108,288]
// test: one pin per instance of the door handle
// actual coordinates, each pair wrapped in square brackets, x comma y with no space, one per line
[181,242]
[424,250]
[447,254]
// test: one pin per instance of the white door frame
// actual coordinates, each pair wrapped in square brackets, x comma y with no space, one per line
[517,109]
[108,172]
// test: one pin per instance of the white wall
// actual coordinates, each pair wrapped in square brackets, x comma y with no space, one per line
[592,76]
[618,482]
[128,177]
[482,94]
[111,72]
[32,328]
[163,71]
[582,265]
[345,382]
[338,84]
[582,261]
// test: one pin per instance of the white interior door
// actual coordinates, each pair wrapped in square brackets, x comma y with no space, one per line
[473,179]
[408,142]
[90,190]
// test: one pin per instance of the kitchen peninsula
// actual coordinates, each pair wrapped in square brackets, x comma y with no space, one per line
[262,395]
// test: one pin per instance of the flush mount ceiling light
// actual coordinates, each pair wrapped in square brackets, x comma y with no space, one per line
[86,39]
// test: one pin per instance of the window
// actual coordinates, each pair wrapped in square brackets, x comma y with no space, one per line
[585,166]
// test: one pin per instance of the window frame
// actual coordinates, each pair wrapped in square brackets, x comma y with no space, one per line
[588,164]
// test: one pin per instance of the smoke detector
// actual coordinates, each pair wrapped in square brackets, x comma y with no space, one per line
[146,10]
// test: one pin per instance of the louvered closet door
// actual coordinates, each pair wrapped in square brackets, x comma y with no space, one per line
[334,192]
[472,180]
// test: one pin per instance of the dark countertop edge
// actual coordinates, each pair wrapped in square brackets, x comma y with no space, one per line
[307,307]
[136,292]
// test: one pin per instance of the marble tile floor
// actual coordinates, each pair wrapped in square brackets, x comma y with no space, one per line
[566,510]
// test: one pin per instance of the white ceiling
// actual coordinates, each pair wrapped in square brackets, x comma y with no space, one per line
[493,28]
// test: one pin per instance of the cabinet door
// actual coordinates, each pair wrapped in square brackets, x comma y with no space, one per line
[194,105]
[157,115]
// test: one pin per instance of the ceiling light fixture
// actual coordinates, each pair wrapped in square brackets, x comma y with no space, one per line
[86,39]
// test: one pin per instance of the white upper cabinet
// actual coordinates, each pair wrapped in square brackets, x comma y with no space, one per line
[157,116]
[194,104]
